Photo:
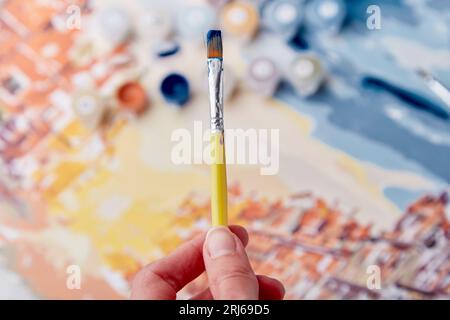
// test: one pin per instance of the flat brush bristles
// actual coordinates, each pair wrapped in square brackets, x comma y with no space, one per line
[214,44]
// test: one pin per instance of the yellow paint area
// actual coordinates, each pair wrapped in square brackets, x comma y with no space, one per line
[142,230]
[301,121]
[63,175]
[358,173]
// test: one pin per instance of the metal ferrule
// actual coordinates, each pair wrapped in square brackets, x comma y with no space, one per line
[215,79]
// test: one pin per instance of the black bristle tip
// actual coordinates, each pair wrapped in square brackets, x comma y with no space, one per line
[214,44]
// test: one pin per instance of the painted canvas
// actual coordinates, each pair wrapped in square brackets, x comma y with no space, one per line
[350,180]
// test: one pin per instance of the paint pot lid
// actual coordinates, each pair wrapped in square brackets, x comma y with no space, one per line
[132,96]
[326,14]
[156,24]
[114,24]
[86,103]
[218,3]
[240,17]
[175,89]
[262,69]
[306,67]
[229,83]
[166,48]
[196,20]
[328,9]
[88,107]
[282,13]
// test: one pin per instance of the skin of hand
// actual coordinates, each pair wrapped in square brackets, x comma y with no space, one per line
[221,254]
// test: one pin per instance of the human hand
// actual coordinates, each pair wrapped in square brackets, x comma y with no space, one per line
[221,254]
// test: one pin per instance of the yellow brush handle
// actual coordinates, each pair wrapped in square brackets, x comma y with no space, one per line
[219,202]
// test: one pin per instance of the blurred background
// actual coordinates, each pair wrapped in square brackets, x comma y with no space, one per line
[357,89]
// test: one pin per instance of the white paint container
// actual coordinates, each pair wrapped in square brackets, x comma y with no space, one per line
[89,108]
[229,83]
[218,3]
[155,25]
[283,17]
[195,21]
[115,25]
[306,74]
[263,76]
[326,15]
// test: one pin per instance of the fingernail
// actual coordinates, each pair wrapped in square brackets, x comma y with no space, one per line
[220,242]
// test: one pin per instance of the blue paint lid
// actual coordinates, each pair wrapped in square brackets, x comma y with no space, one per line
[326,15]
[282,16]
[175,89]
[166,48]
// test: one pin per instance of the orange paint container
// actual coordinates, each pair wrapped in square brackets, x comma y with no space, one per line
[132,97]
[240,19]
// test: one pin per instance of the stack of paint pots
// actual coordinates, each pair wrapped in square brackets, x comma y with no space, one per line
[240,20]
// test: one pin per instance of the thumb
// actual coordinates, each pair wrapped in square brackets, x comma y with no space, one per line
[230,275]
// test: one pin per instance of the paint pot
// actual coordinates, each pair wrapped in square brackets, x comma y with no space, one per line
[263,76]
[326,15]
[195,21]
[282,17]
[115,25]
[306,74]
[218,3]
[175,89]
[240,19]
[164,49]
[132,97]
[229,83]
[155,25]
[89,108]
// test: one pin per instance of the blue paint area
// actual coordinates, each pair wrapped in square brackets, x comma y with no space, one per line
[175,89]
[402,198]
[408,97]
[354,124]
[440,5]
[349,140]
[357,10]
[394,121]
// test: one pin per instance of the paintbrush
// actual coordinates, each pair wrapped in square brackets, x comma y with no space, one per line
[436,86]
[218,166]
[340,64]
